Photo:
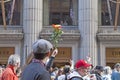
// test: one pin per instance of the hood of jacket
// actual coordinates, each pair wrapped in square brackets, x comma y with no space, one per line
[73,74]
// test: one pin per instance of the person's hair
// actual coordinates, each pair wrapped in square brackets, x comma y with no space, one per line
[40,55]
[117,65]
[13,60]
[68,63]
[107,70]
[66,70]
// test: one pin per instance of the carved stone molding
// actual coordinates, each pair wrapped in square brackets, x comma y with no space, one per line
[108,36]
[11,35]
[107,33]
[68,35]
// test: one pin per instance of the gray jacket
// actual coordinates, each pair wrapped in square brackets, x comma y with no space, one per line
[35,71]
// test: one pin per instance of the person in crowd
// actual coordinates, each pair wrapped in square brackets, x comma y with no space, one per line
[60,72]
[91,74]
[18,72]
[54,73]
[116,67]
[107,73]
[116,72]
[81,70]
[66,72]
[37,69]
[0,72]
[99,72]
[10,71]
[49,62]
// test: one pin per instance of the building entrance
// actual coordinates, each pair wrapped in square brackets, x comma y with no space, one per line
[5,52]
[63,57]
[112,56]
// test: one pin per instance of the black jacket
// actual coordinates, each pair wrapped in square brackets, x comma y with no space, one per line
[98,76]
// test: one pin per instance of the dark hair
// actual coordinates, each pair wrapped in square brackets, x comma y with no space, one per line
[98,67]
[117,65]
[66,70]
[68,63]
[40,55]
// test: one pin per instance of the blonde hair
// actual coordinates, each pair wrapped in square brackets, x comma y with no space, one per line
[107,70]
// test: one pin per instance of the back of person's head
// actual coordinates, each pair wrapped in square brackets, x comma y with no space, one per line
[107,70]
[117,65]
[40,48]
[55,69]
[68,64]
[66,69]
[14,60]
[99,67]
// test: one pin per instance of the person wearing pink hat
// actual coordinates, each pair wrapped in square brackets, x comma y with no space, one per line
[81,70]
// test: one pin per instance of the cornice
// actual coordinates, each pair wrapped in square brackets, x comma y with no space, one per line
[11,35]
[68,35]
[108,36]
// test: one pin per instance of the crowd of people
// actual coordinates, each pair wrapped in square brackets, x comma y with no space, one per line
[86,71]
[39,67]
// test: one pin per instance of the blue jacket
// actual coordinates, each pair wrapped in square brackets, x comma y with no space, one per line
[35,71]
[115,75]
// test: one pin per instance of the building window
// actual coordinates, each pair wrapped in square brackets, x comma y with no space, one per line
[64,12]
[12,12]
[108,12]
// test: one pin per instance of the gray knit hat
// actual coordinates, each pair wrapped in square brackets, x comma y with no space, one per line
[41,46]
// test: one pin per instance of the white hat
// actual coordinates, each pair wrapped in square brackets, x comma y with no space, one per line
[42,46]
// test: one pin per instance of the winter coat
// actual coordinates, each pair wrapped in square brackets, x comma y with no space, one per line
[74,76]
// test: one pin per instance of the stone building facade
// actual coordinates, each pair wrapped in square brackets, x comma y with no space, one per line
[86,32]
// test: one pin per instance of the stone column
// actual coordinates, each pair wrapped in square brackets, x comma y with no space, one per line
[32,23]
[88,25]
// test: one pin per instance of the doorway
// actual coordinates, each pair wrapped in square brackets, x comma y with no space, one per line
[112,56]
[5,52]
[63,57]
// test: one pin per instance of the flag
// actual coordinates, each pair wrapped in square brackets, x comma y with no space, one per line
[72,20]
[3,13]
[71,10]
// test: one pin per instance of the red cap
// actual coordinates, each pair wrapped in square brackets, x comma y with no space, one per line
[82,63]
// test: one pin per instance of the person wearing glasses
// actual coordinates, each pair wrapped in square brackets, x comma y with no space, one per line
[81,70]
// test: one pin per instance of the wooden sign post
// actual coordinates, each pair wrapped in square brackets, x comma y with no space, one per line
[3,14]
[117,14]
